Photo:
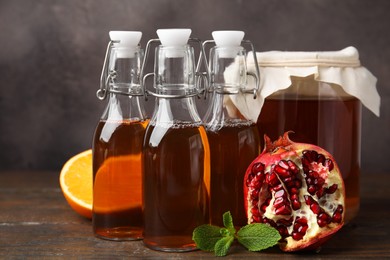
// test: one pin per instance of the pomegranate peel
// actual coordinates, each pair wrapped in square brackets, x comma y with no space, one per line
[298,189]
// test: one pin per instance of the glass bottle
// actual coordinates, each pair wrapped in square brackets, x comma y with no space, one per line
[175,150]
[117,143]
[234,140]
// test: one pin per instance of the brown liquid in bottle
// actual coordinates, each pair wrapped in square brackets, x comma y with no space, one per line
[232,149]
[331,124]
[176,185]
[117,179]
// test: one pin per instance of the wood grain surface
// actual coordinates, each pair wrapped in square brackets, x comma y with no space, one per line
[37,223]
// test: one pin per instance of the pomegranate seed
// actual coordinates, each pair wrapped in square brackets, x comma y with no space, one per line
[255,219]
[339,209]
[283,231]
[336,217]
[323,216]
[293,167]
[283,173]
[329,164]
[284,164]
[257,167]
[278,202]
[319,181]
[283,210]
[303,229]
[280,193]
[302,221]
[321,223]
[298,184]
[294,191]
[320,192]
[255,212]
[296,236]
[272,179]
[309,181]
[308,200]
[294,197]
[312,189]
[332,189]
[321,159]
[296,204]
[277,187]
[315,208]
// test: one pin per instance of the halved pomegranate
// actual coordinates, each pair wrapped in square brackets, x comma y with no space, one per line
[298,189]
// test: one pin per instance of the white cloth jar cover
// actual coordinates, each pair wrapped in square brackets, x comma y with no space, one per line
[337,67]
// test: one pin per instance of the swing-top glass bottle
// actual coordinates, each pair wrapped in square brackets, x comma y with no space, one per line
[175,150]
[117,144]
[234,140]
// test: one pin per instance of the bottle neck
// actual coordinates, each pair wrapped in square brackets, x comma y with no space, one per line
[179,111]
[124,107]
[222,113]
[124,69]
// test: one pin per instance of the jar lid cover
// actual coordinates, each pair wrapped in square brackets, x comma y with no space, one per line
[348,57]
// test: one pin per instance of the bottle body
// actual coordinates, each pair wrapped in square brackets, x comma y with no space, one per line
[175,177]
[329,118]
[232,149]
[117,179]
[234,144]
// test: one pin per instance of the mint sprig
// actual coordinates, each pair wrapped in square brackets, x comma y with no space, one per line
[254,237]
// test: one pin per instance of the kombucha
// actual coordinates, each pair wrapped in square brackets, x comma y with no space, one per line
[117,180]
[232,148]
[331,124]
[176,178]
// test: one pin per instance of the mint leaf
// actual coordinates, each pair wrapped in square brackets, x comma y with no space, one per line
[258,236]
[222,246]
[206,236]
[228,222]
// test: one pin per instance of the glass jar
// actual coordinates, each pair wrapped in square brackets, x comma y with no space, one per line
[318,96]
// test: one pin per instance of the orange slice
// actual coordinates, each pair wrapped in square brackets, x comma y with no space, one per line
[118,184]
[76,183]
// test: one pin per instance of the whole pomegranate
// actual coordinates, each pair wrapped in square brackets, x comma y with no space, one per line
[298,189]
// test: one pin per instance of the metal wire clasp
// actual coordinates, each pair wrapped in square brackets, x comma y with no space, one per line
[105,77]
[201,78]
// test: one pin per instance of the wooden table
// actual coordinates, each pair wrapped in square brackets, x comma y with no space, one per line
[36,222]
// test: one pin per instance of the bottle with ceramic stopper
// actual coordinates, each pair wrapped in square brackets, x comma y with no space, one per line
[175,150]
[233,139]
[117,143]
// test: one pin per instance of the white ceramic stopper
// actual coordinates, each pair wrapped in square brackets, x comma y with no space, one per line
[174,39]
[228,42]
[228,38]
[127,42]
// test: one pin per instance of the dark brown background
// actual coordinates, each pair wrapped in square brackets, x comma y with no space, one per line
[51,54]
